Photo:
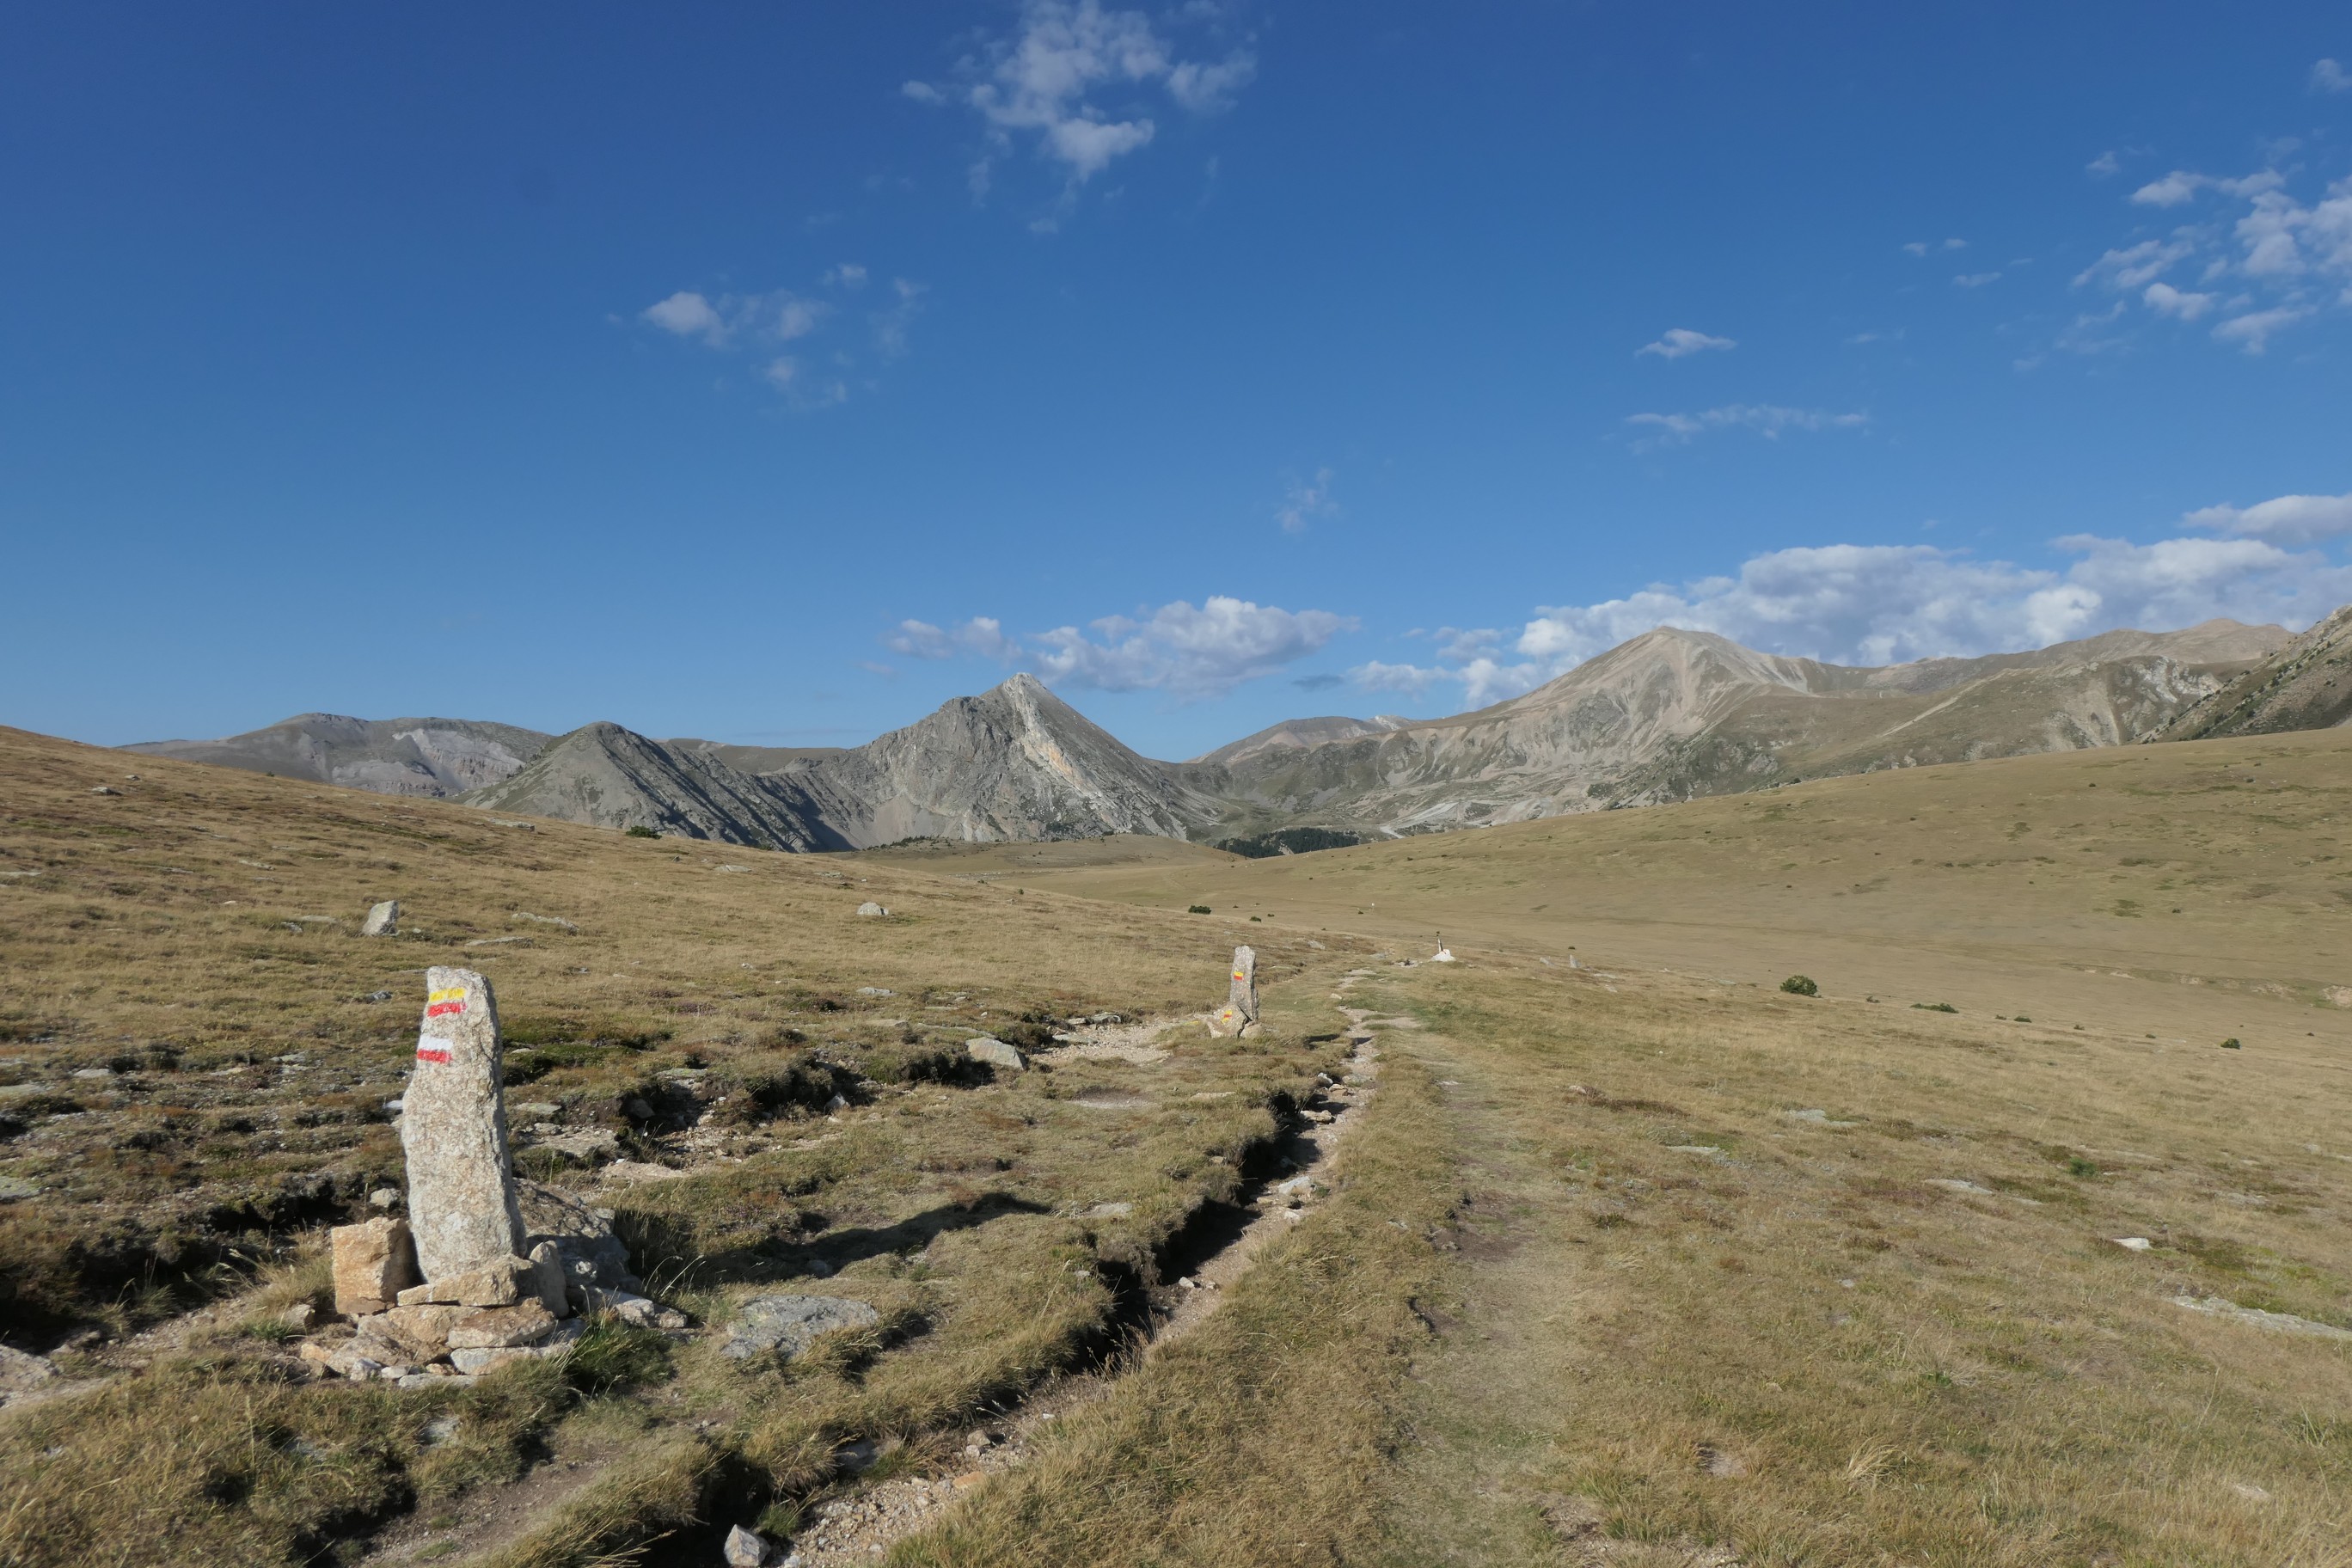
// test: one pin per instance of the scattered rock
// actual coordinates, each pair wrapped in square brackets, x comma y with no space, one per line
[874,991]
[635,1170]
[591,1144]
[1709,1150]
[744,1549]
[498,1284]
[1818,1117]
[502,1328]
[411,1382]
[625,1305]
[383,920]
[546,921]
[94,1075]
[871,910]
[21,1375]
[2133,1243]
[377,996]
[461,1194]
[2254,1318]
[385,1198]
[106,789]
[374,1262]
[14,1188]
[300,1317]
[1110,1211]
[583,1235]
[1953,1185]
[546,1278]
[995,1053]
[790,1324]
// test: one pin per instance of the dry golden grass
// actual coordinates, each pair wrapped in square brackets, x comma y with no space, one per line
[1603,1280]
[153,937]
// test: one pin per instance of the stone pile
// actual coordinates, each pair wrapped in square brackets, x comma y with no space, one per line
[462,1285]
[1238,1016]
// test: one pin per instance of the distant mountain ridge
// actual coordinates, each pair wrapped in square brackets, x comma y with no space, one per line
[1668,715]
[433,757]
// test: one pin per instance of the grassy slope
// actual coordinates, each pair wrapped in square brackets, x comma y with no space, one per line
[1800,1348]
[153,936]
[1528,1327]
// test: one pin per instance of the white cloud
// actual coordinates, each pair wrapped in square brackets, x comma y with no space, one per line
[688,315]
[2281,519]
[2293,259]
[1767,419]
[922,92]
[2181,186]
[2104,166]
[1921,247]
[2167,301]
[2252,332]
[1680,340]
[1042,80]
[2135,265]
[979,636]
[2326,76]
[758,322]
[1302,502]
[1188,651]
[1875,605]
[1976,280]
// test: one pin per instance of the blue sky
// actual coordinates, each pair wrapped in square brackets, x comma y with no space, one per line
[773,374]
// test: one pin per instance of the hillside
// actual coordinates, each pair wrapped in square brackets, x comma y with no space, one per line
[2306,685]
[1640,1261]
[430,757]
[1015,762]
[1672,715]
[1669,715]
[610,777]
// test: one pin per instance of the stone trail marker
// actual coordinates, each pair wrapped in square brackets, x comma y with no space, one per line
[1240,1011]
[462,1205]
[383,920]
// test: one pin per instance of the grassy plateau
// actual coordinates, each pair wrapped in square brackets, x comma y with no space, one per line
[1633,1258]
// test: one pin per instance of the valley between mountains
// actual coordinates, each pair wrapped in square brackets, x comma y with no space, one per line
[1671,715]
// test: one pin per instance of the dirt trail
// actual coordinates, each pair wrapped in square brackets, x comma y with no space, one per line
[858,1528]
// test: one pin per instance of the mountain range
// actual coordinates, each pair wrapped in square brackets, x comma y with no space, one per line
[1669,715]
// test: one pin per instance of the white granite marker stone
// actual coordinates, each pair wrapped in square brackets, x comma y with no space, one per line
[1240,1011]
[461,1191]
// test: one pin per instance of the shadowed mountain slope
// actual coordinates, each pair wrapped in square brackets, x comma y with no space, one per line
[2306,685]
[435,757]
[610,777]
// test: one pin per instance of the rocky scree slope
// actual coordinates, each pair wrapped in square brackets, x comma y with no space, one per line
[433,757]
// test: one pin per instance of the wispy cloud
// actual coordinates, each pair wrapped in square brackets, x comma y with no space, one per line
[1768,420]
[1976,280]
[1874,605]
[1053,81]
[763,322]
[1922,247]
[1678,341]
[2104,167]
[2274,263]
[2281,519]
[1304,501]
[1186,650]
[2326,76]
